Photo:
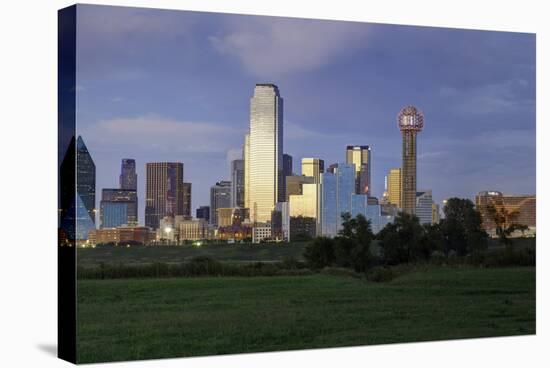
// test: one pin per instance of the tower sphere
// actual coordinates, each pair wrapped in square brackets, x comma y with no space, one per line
[410,119]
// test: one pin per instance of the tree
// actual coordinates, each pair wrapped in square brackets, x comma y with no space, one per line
[320,252]
[461,228]
[505,222]
[352,245]
[404,241]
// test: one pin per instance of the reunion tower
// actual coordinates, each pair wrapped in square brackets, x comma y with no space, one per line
[410,121]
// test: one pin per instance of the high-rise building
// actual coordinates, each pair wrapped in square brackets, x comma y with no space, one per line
[424,206]
[118,207]
[220,197]
[360,156]
[85,178]
[524,205]
[410,121]
[313,167]
[393,187]
[246,158]
[77,209]
[186,193]
[306,205]
[265,155]
[128,176]
[336,190]
[203,212]
[294,184]
[164,192]
[287,171]
[237,183]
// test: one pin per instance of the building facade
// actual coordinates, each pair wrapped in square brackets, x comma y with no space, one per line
[163,192]
[118,207]
[237,183]
[410,121]
[393,187]
[313,167]
[294,184]
[220,197]
[203,212]
[85,178]
[186,193]
[336,190]
[265,152]
[424,206]
[128,176]
[360,156]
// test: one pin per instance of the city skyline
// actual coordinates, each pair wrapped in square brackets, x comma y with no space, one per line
[479,104]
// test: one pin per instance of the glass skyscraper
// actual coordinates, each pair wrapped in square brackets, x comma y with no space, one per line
[265,176]
[337,188]
[424,206]
[113,214]
[85,177]
[110,208]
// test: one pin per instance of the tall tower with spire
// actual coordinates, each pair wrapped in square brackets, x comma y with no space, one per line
[410,121]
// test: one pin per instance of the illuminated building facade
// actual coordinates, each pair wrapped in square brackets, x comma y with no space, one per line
[265,152]
[313,167]
[393,184]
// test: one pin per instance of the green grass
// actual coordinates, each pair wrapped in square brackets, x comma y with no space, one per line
[161,318]
[90,257]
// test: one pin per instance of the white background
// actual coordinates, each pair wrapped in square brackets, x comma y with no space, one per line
[28,144]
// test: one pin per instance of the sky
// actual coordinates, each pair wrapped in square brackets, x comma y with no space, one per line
[162,85]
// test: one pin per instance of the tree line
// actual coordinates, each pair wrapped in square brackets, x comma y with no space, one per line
[458,234]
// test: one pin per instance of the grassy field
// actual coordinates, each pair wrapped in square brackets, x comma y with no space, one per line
[89,257]
[161,318]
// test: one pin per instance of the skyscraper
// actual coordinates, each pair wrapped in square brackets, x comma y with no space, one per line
[237,183]
[266,152]
[336,190]
[164,192]
[128,176]
[313,167]
[220,197]
[85,177]
[287,171]
[393,187]
[360,156]
[186,193]
[410,122]
[424,206]
[246,158]
[118,207]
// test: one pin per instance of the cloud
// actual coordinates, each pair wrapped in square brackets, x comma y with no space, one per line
[160,134]
[507,96]
[272,47]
